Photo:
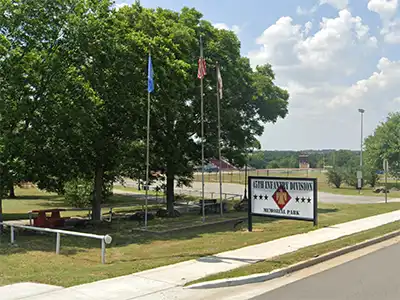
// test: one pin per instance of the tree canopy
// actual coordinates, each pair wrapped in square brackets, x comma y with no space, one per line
[384,143]
[73,93]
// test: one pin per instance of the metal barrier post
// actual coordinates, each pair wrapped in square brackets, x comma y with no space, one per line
[58,242]
[103,251]
[105,239]
[12,235]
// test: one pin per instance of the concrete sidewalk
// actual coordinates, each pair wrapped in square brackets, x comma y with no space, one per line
[159,282]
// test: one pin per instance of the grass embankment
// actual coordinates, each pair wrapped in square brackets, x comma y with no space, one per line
[303,254]
[132,250]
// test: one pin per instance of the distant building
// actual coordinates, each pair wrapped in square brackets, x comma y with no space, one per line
[303,161]
[225,165]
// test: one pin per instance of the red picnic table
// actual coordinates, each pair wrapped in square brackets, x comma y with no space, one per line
[52,221]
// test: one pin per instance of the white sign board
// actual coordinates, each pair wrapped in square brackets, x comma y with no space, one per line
[289,198]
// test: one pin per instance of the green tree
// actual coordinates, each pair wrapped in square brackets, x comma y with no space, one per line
[384,143]
[80,103]
[350,176]
[370,175]
[250,97]
[335,177]
[257,160]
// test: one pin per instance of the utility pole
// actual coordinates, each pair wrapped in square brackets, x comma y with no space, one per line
[360,177]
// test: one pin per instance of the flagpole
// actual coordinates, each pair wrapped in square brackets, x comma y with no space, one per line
[147,159]
[219,139]
[202,137]
[148,142]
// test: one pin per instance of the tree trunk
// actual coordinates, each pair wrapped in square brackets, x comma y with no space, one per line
[98,194]
[170,194]
[12,191]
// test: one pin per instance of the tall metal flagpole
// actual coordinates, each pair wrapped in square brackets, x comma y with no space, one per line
[219,89]
[202,133]
[147,159]
[150,88]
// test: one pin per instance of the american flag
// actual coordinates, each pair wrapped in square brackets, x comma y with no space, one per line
[202,68]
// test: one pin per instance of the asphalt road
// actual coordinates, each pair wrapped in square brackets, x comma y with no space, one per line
[375,276]
[212,188]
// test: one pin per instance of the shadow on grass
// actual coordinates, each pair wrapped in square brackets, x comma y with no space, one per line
[327,210]
[125,232]
[36,197]
[15,216]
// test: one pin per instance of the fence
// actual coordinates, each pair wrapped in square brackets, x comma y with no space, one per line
[207,195]
[105,239]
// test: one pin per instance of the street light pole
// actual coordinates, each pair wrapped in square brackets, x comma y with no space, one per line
[361,111]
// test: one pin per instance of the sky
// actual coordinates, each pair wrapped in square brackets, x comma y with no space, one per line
[333,57]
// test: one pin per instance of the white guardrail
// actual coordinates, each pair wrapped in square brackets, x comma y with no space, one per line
[105,239]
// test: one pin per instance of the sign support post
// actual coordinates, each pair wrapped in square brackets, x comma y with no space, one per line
[386,170]
[250,217]
[315,203]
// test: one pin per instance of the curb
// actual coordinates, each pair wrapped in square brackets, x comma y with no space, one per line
[257,278]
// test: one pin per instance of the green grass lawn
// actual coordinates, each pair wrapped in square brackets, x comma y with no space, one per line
[303,254]
[34,199]
[323,186]
[135,190]
[132,250]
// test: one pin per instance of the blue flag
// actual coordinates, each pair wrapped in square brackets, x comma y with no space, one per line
[150,80]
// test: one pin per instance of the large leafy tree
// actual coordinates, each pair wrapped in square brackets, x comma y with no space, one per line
[72,97]
[384,143]
[250,96]
[73,90]
[29,32]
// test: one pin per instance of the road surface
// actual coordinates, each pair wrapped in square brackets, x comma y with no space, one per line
[234,188]
[371,277]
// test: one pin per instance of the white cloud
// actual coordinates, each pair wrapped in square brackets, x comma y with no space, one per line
[235,28]
[338,4]
[391,32]
[339,46]
[370,92]
[317,68]
[385,8]
[303,11]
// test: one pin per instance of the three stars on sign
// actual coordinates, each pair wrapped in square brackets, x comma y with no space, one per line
[260,197]
[298,199]
[303,199]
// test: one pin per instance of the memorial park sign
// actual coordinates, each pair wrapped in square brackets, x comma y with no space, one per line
[287,198]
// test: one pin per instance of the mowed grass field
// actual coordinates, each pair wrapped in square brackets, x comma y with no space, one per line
[323,186]
[29,199]
[133,250]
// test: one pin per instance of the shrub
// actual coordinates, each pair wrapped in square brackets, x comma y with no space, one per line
[79,193]
[371,176]
[335,177]
[350,177]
